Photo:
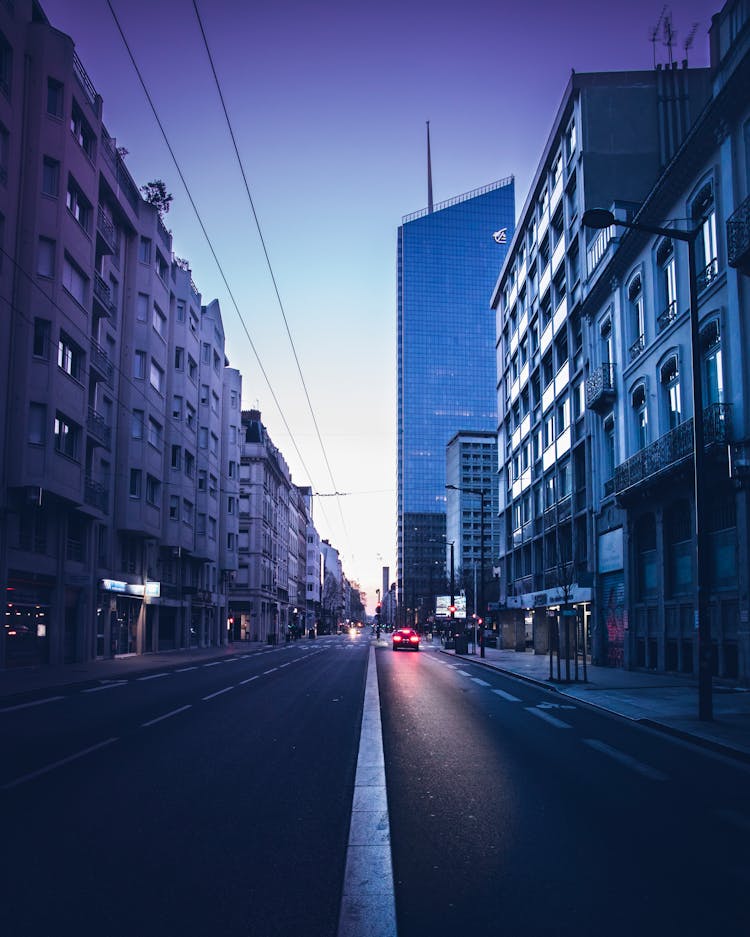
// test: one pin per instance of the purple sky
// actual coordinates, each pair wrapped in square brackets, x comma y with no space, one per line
[328,101]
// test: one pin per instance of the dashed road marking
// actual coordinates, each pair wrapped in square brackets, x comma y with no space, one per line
[480,682]
[185,669]
[552,720]
[174,712]
[507,696]
[646,770]
[249,680]
[106,686]
[39,702]
[218,693]
[56,764]
[152,676]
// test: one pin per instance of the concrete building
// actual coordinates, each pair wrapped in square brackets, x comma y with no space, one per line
[99,551]
[639,390]
[624,126]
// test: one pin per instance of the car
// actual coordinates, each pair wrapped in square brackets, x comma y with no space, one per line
[405,639]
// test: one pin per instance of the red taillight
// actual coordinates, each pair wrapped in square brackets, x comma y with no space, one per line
[397,637]
[414,639]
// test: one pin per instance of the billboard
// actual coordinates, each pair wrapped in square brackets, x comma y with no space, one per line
[442,605]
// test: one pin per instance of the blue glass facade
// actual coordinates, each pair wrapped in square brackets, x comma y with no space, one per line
[448,264]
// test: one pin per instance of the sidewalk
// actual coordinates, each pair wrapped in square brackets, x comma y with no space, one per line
[32,679]
[668,702]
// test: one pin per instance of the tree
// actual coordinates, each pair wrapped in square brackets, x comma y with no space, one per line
[155,193]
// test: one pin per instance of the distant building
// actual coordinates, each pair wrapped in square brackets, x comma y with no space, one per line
[449,256]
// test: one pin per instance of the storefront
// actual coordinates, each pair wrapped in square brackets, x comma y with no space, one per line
[27,623]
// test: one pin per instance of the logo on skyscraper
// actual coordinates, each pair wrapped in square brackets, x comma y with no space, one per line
[501,236]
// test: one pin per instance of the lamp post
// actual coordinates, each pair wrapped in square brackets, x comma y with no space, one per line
[451,544]
[482,492]
[602,218]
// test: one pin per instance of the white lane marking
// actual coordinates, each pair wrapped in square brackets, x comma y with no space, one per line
[105,686]
[39,702]
[214,663]
[552,720]
[368,907]
[269,671]
[480,682]
[244,656]
[287,664]
[185,669]
[174,712]
[56,764]
[464,673]
[507,696]
[152,676]
[646,770]
[229,659]
[249,680]
[218,693]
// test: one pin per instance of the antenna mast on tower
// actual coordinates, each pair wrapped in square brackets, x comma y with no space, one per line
[689,40]
[429,172]
[654,35]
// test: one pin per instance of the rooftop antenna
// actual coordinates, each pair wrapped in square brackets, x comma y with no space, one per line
[670,35]
[429,172]
[689,40]
[654,34]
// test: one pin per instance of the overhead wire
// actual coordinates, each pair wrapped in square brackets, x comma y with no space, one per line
[267,258]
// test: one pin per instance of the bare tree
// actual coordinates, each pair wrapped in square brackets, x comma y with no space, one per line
[155,193]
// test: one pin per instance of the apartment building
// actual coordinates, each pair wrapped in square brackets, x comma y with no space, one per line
[108,350]
[624,126]
[640,391]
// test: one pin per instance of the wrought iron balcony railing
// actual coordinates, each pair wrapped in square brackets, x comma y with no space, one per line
[738,238]
[668,316]
[673,448]
[709,273]
[98,429]
[637,347]
[600,386]
[100,361]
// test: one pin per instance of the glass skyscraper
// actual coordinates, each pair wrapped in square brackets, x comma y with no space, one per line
[449,259]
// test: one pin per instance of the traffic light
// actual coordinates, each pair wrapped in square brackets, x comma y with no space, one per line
[452,609]
[377,608]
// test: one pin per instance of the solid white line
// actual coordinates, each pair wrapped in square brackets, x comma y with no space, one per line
[507,696]
[646,770]
[269,671]
[218,693]
[106,686]
[558,723]
[153,676]
[214,663]
[185,669]
[56,764]
[39,702]
[249,680]
[368,907]
[480,682]
[174,712]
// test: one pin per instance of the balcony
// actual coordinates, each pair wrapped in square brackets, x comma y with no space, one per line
[600,387]
[98,431]
[707,275]
[668,316]
[738,238]
[103,295]
[671,450]
[100,364]
[95,494]
[106,232]
[637,347]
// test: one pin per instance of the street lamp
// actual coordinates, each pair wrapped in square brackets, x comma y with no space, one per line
[482,492]
[602,218]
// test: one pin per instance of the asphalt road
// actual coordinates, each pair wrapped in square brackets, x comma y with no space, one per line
[212,800]
[516,812]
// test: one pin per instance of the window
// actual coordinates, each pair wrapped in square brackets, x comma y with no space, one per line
[155,433]
[190,414]
[69,357]
[637,317]
[144,250]
[156,376]
[180,310]
[710,343]
[640,411]
[42,331]
[162,268]
[176,407]
[214,401]
[214,444]
[212,486]
[37,430]
[192,368]
[193,322]
[187,512]
[217,362]
[153,490]
[200,527]
[549,430]
[203,437]
[45,262]
[230,504]
[6,65]
[159,322]
[668,283]
[83,133]
[137,423]
[50,177]
[174,508]
[670,382]
[176,457]
[609,447]
[136,477]
[703,213]
[204,394]
[141,307]
[571,139]
[79,206]
[67,436]
[74,281]
[212,528]
[202,479]
[233,399]
[55,95]
[189,464]
[179,358]
[139,364]
[232,469]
